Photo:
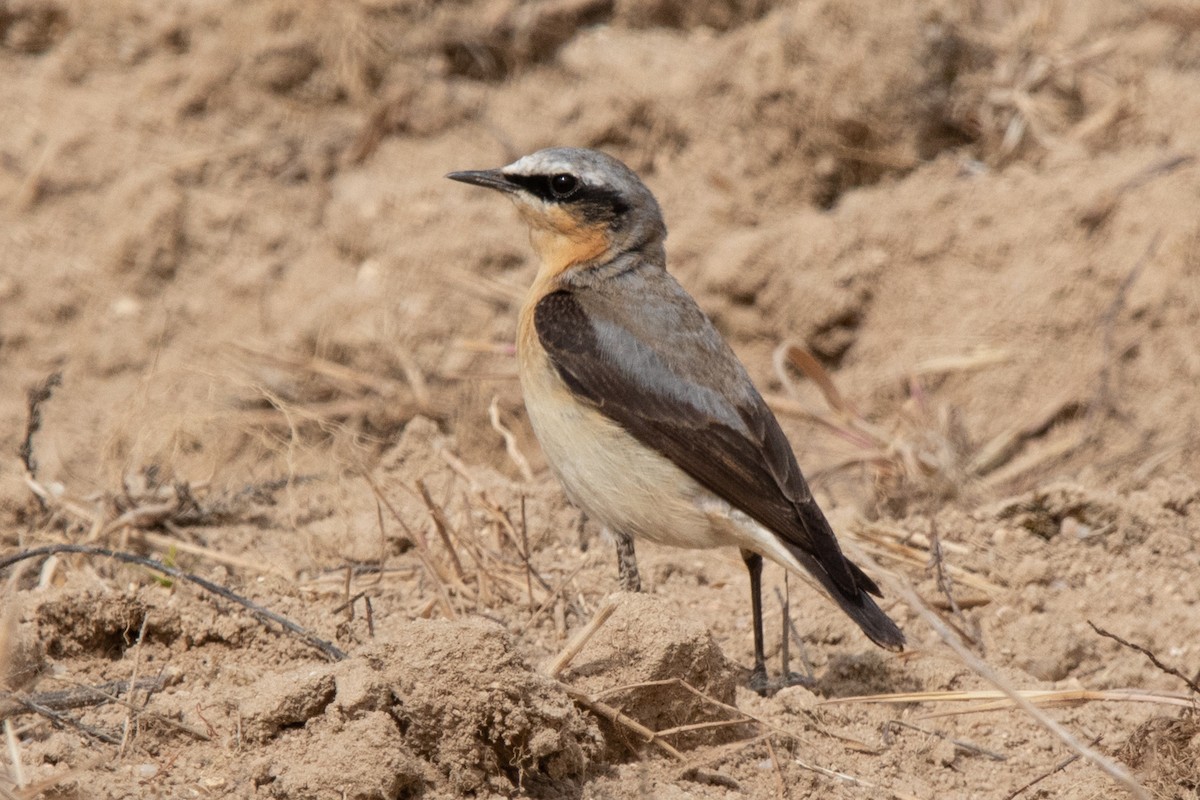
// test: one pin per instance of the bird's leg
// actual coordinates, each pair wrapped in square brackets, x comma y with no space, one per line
[758,677]
[581,532]
[627,569]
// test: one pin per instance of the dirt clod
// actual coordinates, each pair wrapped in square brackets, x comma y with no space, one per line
[469,704]
[647,642]
[285,701]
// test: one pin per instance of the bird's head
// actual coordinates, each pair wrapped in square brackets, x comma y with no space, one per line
[584,208]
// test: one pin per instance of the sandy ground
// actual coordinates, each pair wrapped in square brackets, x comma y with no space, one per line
[284,344]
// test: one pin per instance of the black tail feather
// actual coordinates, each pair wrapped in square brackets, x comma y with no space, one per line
[860,607]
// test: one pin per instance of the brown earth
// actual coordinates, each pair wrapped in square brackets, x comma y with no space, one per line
[283,338]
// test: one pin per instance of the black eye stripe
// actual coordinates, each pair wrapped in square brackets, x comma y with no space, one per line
[538,185]
[559,187]
[596,203]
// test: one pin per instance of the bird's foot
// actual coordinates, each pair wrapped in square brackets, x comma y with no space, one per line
[763,685]
[759,683]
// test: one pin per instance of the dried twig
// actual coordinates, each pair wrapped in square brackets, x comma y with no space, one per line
[555,667]
[525,552]
[789,627]
[131,717]
[996,700]
[79,697]
[1104,401]
[331,651]
[961,744]
[510,441]
[1191,684]
[981,668]
[1003,447]
[847,778]
[554,593]
[779,788]
[1058,768]
[60,720]
[616,717]
[1101,209]
[14,754]
[33,422]
[946,585]
[442,525]
[140,711]
[427,561]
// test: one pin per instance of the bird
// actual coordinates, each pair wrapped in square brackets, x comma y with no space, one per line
[647,418]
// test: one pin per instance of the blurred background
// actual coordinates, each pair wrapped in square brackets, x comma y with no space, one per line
[956,243]
[978,216]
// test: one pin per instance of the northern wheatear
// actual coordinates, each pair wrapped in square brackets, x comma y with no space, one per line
[646,416]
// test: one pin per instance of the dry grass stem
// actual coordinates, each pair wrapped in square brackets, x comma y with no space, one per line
[432,568]
[332,583]
[995,700]
[896,551]
[348,380]
[262,614]
[131,714]
[965,746]
[1105,401]
[849,741]
[847,778]
[1001,448]
[81,696]
[920,457]
[485,287]
[149,686]
[510,441]
[617,718]
[414,376]
[63,721]
[14,755]
[776,770]
[176,544]
[1066,762]
[560,662]
[441,524]
[1051,451]
[982,357]
[549,601]
[323,414]
[488,347]
[900,588]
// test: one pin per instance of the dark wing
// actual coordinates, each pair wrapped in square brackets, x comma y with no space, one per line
[675,385]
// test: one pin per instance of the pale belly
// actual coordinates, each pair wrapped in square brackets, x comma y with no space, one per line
[610,475]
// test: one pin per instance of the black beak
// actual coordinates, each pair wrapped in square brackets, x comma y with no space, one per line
[489,178]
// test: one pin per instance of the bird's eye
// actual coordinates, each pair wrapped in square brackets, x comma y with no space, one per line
[563,185]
